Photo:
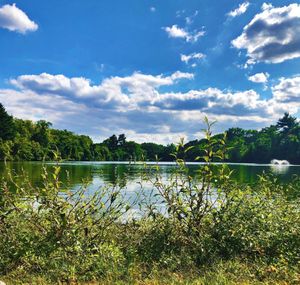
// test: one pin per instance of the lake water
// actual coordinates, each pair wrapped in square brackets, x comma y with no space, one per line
[129,174]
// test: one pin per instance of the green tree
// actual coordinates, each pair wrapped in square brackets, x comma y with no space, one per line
[121,140]
[101,152]
[6,150]
[133,151]
[287,123]
[153,150]
[7,127]
[41,133]
[111,142]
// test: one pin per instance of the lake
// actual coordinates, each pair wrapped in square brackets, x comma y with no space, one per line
[128,175]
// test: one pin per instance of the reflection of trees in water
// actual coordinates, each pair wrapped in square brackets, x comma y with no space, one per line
[241,173]
[246,174]
[127,175]
[71,174]
[115,174]
[21,169]
[75,174]
[118,174]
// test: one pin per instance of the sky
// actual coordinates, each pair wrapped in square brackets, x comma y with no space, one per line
[150,69]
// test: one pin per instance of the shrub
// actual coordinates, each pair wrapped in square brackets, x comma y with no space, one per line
[58,232]
[188,225]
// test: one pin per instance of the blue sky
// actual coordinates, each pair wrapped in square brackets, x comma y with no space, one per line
[150,69]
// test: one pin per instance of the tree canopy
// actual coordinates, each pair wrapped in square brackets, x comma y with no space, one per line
[35,141]
[7,128]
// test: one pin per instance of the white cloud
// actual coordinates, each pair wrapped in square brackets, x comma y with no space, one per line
[14,19]
[136,105]
[186,58]
[181,75]
[176,32]
[288,90]
[152,9]
[259,77]
[31,105]
[240,10]
[266,6]
[273,35]
[214,101]
[115,92]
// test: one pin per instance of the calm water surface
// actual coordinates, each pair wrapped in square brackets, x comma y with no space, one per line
[128,175]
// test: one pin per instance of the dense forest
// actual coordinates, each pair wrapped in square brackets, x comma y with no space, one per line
[35,141]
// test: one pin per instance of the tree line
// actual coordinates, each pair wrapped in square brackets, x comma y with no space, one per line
[35,141]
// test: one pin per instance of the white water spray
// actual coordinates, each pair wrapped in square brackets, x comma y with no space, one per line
[279,166]
[279,162]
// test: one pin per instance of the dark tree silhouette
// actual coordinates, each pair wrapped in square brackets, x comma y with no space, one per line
[287,123]
[121,139]
[7,127]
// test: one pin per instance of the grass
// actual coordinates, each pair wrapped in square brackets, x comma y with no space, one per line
[223,273]
[215,231]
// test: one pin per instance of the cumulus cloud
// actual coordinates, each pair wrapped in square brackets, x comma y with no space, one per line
[259,77]
[239,11]
[288,90]
[136,105]
[272,36]
[14,19]
[215,101]
[114,92]
[141,91]
[33,106]
[176,32]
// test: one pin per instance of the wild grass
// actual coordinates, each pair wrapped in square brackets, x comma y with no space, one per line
[213,231]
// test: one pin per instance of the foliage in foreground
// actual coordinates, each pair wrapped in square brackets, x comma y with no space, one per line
[223,273]
[203,230]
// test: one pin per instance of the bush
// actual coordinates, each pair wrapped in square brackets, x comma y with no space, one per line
[58,234]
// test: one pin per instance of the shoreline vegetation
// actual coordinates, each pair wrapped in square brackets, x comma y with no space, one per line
[24,140]
[211,232]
